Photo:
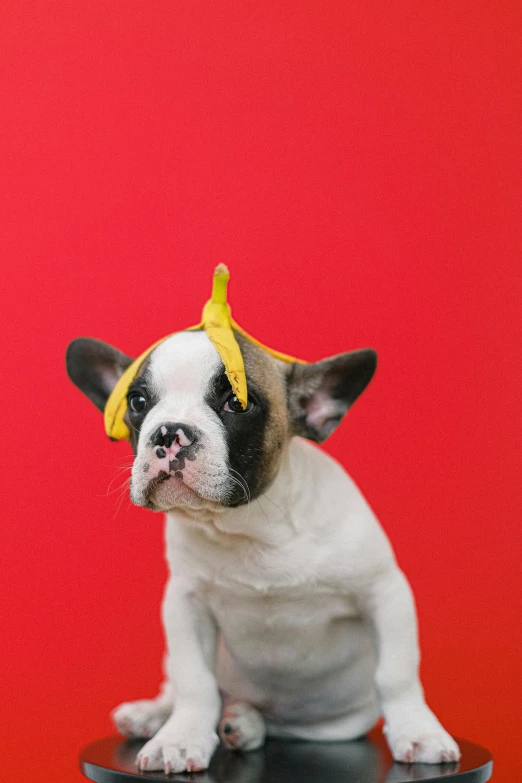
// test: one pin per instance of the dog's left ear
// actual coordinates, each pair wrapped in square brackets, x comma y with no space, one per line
[95,367]
[319,394]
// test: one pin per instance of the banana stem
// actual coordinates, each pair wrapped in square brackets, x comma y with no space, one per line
[219,285]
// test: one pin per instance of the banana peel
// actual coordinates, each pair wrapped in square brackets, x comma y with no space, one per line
[219,326]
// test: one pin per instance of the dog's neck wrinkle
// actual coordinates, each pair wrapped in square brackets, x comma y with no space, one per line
[268,519]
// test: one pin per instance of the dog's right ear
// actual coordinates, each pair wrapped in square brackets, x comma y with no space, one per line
[95,368]
[319,394]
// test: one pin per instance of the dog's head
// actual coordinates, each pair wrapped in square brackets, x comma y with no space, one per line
[195,447]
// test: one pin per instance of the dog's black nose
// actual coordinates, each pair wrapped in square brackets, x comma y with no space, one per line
[167,434]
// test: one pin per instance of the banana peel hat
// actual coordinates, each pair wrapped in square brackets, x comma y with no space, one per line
[220,328]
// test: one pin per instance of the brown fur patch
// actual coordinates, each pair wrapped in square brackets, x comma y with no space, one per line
[135,431]
[267,374]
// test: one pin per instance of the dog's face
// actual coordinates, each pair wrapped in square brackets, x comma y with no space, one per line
[194,445]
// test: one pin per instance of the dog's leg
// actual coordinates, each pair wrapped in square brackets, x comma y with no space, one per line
[241,727]
[412,730]
[187,740]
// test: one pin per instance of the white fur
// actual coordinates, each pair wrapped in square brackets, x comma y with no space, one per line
[292,604]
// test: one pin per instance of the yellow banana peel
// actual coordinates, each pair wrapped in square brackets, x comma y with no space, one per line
[219,326]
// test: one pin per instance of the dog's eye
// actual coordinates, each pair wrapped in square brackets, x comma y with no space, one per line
[137,403]
[232,405]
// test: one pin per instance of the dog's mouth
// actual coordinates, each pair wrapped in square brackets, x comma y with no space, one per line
[194,489]
[159,479]
[166,490]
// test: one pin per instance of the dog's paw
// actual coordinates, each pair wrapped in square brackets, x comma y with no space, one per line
[140,718]
[177,753]
[241,727]
[433,747]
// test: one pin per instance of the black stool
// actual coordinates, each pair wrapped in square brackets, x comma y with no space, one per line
[367,760]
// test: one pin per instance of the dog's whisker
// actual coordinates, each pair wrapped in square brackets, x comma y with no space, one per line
[134,427]
[264,495]
[239,484]
[123,494]
[242,480]
[263,510]
[116,477]
[125,457]
[121,488]
[244,484]
[124,468]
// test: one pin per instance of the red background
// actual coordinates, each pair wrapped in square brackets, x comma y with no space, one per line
[354,164]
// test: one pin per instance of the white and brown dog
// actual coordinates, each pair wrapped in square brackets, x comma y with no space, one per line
[285,613]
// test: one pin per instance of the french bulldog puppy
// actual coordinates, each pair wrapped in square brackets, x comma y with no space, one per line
[285,613]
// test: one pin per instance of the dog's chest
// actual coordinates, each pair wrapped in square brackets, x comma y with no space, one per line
[279,608]
[256,624]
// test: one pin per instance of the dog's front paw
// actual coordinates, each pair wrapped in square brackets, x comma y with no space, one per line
[140,718]
[177,752]
[428,747]
[242,727]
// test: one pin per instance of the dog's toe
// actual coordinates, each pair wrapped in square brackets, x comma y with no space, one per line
[242,727]
[177,755]
[150,757]
[430,748]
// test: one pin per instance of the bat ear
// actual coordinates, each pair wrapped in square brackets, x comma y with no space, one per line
[319,394]
[95,367]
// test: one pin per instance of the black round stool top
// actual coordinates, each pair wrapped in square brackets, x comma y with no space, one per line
[367,760]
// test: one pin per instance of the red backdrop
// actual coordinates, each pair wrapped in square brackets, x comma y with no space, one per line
[354,164]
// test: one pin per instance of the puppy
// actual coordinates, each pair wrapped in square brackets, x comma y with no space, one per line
[285,613]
